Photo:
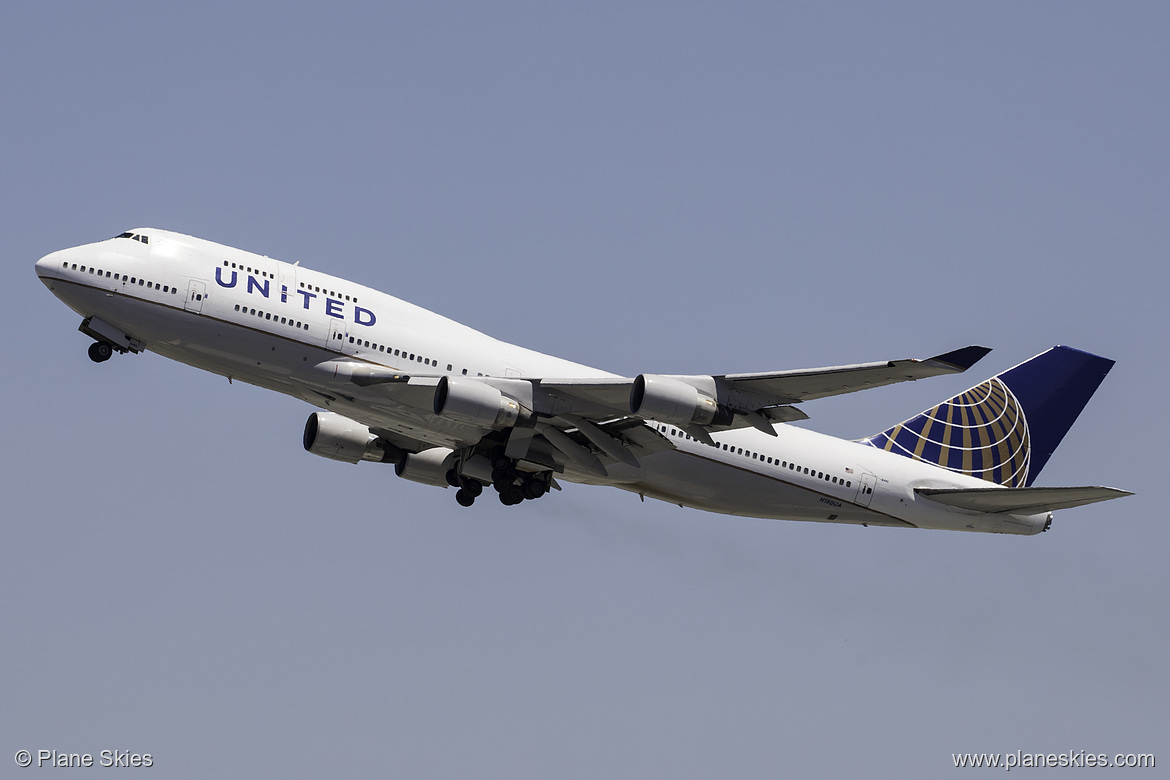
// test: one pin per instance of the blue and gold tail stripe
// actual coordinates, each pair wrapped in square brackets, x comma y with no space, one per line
[982,432]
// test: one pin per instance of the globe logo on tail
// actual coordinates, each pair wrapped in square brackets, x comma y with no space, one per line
[982,432]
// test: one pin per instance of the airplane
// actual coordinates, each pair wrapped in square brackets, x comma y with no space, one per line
[450,406]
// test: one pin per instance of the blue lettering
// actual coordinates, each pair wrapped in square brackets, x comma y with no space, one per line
[359,313]
[307,295]
[283,294]
[333,308]
[263,288]
[219,279]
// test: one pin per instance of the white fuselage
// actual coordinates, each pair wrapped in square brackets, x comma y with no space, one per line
[271,324]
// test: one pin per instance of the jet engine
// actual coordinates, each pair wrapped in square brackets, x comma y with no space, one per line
[428,467]
[475,403]
[673,401]
[332,436]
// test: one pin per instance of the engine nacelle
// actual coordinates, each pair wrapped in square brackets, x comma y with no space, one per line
[475,403]
[332,436]
[671,400]
[428,467]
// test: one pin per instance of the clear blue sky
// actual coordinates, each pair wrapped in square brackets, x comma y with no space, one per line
[675,187]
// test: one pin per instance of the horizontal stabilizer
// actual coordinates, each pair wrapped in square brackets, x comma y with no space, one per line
[1020,501]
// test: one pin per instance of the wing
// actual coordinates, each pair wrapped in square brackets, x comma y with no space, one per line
[593,422]
[755,399]
[786,387]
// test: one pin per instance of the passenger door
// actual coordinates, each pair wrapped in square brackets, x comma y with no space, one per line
[196,292]
[336,334]
[866,488]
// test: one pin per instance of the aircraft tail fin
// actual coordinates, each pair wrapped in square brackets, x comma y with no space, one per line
[1005,429]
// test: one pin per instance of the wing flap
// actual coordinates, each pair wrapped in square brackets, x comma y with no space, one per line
[1029,500]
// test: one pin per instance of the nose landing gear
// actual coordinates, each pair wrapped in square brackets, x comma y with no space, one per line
[100,351]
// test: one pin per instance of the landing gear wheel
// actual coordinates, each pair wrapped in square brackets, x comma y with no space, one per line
[533,489]
[453,478]
[501,462]
[511,495]
[100,351]
[464,497]
[472,488]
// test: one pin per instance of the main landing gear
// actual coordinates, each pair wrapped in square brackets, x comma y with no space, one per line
[467,494]
[100,351]
[512,485]
[515,486]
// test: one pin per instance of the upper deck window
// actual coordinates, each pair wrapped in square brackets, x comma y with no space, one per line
[135,237]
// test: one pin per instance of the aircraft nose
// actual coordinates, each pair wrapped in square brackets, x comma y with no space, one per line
[47,266]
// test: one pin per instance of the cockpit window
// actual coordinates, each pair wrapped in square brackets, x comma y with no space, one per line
[135,237]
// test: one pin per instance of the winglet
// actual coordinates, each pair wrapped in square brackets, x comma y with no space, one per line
[961,359]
